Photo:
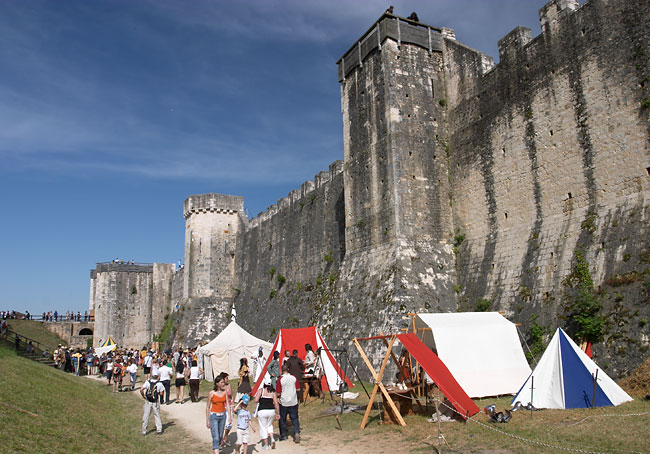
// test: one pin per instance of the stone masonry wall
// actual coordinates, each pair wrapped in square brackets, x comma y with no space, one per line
[123,295]
[291,249]
[549,152]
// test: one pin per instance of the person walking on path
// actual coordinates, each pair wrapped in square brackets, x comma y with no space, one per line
[166,379]
[150,392]
[268,410]
[180,382]
[132,369]
[244,385]
[243,425]
[195,381]
[216,407]
[224,439]
[287,386]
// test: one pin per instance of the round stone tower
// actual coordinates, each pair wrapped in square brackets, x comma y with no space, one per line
[211,225]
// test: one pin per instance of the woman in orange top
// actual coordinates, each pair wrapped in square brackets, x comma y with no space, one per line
[215,412]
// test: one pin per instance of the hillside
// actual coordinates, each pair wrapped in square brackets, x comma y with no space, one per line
[46,410]
[38,332]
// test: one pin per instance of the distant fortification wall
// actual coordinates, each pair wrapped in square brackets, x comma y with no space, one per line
[130,301]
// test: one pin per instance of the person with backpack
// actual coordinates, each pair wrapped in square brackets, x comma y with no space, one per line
[151,391]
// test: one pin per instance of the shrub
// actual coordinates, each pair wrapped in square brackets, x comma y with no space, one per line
[482,305]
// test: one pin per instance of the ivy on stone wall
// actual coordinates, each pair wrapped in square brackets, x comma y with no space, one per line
[535,339]
[582,303]
[165,330]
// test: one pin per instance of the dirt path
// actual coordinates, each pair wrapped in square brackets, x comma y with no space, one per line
[190,416]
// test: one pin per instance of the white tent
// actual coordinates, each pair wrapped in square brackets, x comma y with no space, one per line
[223,353]
[480,349]
[564,378]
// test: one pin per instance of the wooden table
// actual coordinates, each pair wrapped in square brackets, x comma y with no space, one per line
[307,380]
[402,398]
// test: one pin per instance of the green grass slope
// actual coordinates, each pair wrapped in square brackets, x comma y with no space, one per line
[38,332]
[72,414]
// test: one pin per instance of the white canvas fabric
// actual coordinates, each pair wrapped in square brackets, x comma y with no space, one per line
[222,354]
[99,351]
[481,350]
[547,380]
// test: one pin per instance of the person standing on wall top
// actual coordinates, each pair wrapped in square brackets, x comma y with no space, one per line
[287,386]
[150,392]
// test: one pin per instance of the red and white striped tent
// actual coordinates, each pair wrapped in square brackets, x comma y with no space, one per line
[295,339]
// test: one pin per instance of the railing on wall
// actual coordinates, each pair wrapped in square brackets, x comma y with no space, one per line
[400,29]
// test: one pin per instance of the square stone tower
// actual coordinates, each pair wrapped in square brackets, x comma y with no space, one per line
[397,197]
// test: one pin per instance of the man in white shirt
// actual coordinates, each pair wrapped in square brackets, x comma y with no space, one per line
[286,388]
[151,392]
[165,378]
[147,364]
[133,370]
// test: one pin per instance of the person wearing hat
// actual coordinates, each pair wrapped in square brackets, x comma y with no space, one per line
[268,410]
[243,424]
[151,391]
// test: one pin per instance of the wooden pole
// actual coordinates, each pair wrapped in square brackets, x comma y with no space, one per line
[378,383]
[439,430]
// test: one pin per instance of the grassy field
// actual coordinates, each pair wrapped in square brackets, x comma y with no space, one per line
[45,410]
[36,330]
[601,429]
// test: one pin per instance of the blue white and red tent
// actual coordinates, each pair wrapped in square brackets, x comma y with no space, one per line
[564,378]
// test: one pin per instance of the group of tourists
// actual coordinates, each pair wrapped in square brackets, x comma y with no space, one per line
[75,361]
[69,316]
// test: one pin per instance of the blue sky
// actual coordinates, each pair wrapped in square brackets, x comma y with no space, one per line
[113,112]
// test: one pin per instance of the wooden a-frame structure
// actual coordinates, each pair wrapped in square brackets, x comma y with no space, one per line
[377,376]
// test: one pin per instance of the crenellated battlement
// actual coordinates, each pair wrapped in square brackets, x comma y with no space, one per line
[320,180]
[213,203]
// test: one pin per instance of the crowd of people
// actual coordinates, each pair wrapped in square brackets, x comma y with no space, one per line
[277,398]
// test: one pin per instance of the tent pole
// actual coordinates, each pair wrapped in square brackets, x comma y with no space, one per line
[593,399]
[532,387]
[439,432]
[354,369]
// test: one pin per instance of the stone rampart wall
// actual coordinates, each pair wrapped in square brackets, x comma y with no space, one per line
[291,246]
[549,153]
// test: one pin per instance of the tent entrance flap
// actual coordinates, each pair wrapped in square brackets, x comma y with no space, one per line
[439,373]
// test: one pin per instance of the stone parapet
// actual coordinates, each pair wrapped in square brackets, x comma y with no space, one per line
[213,203]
